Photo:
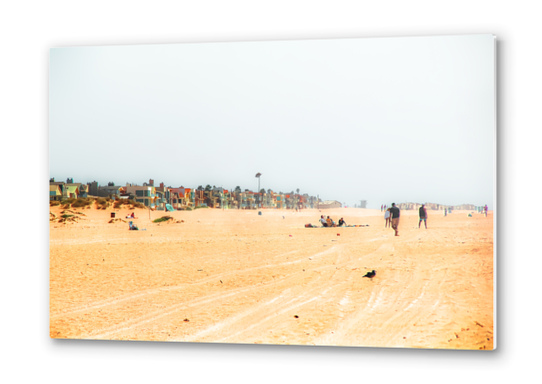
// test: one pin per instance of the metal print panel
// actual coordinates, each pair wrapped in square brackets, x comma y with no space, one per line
[321,192]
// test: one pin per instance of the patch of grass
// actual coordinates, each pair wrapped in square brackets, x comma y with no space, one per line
[126,203]
[82,202]
[66,203]
[54,203]
[103,203]
[137,204]
[201,206]
[65,216]
[163,218]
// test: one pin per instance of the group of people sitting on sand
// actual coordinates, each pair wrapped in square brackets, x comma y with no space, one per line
[330,223]
[132,226]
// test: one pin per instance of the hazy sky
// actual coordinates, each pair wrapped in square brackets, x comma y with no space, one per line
[383,120]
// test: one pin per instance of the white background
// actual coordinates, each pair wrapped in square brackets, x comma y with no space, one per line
[29,29]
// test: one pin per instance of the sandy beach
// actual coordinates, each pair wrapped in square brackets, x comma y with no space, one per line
[234,276]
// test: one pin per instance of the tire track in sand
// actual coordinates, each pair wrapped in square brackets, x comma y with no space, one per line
[159,314]
[132,296]
[386,309]
[139,321]
[253,321]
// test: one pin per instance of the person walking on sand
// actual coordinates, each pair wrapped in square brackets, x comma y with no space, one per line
[423,216]
[395,213]
[387,217]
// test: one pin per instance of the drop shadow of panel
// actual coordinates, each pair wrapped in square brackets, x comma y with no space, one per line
[271,353]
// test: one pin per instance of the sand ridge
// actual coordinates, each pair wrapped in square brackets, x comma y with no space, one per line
[238,277]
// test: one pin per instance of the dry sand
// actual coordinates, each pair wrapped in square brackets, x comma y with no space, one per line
[236,277]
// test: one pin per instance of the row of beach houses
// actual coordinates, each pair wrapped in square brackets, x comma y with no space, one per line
[436,207]
[156,197]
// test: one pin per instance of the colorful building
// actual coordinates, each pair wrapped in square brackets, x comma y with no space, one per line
[199,198]
[55,192]
[181,198]
[83,188]
[163,196]
[144,194]
[71,191]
